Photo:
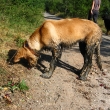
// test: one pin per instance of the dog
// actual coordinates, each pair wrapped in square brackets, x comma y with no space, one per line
[58,34]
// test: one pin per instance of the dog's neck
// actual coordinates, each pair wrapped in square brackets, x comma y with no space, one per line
[33,51]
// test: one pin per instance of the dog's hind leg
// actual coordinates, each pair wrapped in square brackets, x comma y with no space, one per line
[88,64]
[84,74]
[98,58]
[82,47]
[56,54]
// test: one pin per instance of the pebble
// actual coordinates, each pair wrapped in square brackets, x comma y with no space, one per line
[104,70]
[101,108]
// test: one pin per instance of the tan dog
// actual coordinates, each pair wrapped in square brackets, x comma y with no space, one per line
[56,34]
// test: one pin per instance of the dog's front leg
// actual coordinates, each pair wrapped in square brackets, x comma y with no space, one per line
[55,56]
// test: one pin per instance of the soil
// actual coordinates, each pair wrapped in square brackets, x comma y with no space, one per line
[63,91]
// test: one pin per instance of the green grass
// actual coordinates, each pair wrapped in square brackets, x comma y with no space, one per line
[23,86]
[20,86]
[21,16]
[101,24]
[18,20]
[19,41]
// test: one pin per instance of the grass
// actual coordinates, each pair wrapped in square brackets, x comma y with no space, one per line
[18,20]
[19,41]
[9,81]
[101,24]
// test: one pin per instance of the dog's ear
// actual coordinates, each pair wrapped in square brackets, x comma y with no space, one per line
[25,44]
[20,54]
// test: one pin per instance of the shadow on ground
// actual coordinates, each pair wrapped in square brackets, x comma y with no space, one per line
[40,65]
[105,47]
[105,51]
[11,55]
[60,64]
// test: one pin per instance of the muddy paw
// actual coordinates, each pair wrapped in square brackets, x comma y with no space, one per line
[83,78]
[46,70]
[46,75]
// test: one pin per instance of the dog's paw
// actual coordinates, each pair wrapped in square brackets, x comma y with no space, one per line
[83,78]
[46,76]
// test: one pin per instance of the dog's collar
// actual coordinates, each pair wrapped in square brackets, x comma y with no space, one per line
[33,51]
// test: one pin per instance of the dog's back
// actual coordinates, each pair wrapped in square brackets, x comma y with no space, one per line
[69,31]
[66,31]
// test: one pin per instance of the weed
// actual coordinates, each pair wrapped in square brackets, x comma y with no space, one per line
[21,86]
[12,86]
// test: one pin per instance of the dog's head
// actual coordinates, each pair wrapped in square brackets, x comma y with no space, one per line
[26,53]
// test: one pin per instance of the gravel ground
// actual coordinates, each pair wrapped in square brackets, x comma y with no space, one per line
[63,91]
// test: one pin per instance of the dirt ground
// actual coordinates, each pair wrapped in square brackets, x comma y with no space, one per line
[63,91]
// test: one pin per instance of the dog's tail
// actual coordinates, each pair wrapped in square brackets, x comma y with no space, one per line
[97,56]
